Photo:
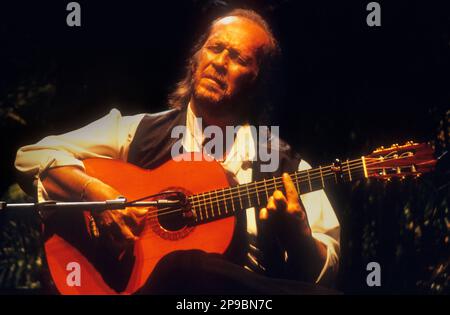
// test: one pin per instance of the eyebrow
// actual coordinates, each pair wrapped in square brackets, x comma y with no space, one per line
[231,49]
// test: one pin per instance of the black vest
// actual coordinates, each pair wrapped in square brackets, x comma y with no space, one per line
[151,147]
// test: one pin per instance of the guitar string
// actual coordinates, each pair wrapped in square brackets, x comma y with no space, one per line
[158,211]
[224,199]
[232,197]
[297,174]
[208,197]
[269,183]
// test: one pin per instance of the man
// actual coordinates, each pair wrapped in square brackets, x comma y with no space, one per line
[291,238]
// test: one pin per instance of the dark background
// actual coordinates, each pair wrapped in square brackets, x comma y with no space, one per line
[344,88]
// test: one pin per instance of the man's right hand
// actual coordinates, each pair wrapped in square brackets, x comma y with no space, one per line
[121,226]
[72,183]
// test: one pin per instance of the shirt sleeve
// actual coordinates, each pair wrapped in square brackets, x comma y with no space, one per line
[107,137]
[325,228]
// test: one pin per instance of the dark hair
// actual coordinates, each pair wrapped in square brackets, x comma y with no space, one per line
[257,97]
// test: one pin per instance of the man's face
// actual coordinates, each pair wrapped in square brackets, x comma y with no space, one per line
[228,60]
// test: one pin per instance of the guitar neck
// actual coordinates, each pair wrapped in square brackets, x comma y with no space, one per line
[217,204]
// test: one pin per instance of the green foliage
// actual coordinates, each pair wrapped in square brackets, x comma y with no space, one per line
[21,251]
[402,225]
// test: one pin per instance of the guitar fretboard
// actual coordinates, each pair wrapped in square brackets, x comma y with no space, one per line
[221,203]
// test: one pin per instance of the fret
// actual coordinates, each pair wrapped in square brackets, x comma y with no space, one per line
[321,176]
[193,208]
[206,207]
[248,196]
[239,196]
[348,169]
[213,214]
[217,201]
[200,207]
[265,187]
[363,159]
[275,182]
[232,200]
[296,182]
[309,180]
[225,201]
[257,194]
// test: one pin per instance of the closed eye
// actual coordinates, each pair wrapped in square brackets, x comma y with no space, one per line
[235,55]
[215,48]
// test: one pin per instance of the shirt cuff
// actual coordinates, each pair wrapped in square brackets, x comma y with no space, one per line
[57,160]
[42,194]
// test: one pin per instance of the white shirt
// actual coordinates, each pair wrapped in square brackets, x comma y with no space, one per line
[111,136]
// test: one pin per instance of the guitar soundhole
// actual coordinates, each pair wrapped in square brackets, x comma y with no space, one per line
[172,219]
[173,223]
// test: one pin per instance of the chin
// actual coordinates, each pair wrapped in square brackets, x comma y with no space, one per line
[209,97]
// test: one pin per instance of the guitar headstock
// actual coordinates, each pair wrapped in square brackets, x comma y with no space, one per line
[400,161]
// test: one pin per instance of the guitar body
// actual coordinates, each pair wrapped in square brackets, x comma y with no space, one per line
[155,241]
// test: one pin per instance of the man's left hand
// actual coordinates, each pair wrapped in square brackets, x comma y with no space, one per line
[286,214]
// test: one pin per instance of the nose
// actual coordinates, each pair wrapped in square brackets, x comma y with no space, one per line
[220,61]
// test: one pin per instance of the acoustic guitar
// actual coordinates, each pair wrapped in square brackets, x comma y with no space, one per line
[205,219]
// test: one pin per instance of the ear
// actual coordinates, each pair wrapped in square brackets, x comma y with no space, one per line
[254,74]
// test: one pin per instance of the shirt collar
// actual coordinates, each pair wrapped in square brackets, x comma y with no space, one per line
[242,150]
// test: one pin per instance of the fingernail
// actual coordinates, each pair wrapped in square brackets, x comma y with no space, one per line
[263,214]
[278,194]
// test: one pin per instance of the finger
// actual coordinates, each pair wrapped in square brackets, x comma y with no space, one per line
[271,206]
[104,218]
[139,212]
[280,200]
[293,200]
[112,231]
[133,216]
[120,221]
[136,224]
[130,221]
[263,214]
[291,192]
[127,234]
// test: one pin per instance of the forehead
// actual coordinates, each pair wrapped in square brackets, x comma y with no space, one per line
[240,33]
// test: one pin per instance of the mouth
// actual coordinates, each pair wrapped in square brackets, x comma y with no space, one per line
[217,81]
